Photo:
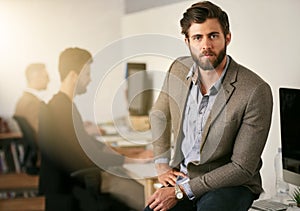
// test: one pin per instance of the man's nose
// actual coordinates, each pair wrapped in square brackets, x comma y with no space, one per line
[206,43]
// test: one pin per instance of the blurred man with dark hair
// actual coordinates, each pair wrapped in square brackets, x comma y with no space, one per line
[69,132]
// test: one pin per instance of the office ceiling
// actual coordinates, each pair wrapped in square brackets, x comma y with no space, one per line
[138,5]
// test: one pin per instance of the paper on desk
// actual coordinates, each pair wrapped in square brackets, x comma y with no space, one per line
[109,129]
[118,141]
[141,170]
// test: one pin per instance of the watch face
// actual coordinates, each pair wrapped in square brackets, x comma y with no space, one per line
[179,195]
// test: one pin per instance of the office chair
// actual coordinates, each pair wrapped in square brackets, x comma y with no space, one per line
[63,188]
[29,142]
[55,182]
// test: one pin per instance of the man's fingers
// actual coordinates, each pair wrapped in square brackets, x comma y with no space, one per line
[151,200]
[178,173]
[155,204]
[170,177]
[158,207]
[165,184]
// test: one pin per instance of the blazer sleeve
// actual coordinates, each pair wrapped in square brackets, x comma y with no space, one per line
[160,120]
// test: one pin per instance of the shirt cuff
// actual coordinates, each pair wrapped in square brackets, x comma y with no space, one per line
[161,160]
[188,191]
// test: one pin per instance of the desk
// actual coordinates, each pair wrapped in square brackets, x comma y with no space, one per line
[126,138]
[145,174]
[12,135]
[126,142]
[18,182]
[23,204]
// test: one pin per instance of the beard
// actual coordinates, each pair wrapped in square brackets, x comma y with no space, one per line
[206,64]
[80,88]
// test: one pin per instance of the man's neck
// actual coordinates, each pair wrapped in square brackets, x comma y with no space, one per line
[67,90]
[68,85]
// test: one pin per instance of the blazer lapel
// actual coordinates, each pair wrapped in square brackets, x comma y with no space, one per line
[223,97]
[184,88]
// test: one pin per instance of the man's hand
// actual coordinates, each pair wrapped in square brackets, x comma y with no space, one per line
[92,129]
[166,175]
[163,199]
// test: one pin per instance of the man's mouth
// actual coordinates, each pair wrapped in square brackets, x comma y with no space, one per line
[207,54]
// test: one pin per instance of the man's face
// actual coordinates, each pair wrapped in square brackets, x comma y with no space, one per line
[41,79]
[207,43]
[83,80]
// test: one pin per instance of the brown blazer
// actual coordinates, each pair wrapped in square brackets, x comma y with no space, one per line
[70,134]
[28,107]
[234,135]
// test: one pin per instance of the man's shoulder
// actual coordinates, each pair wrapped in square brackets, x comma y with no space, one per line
[184,58]
[59,99]
[181,66]
[245,74]
[186,61]
[27,100]
[29,96]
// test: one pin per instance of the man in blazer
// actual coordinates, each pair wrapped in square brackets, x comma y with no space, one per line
[27,112]
[219,113]
[28,105]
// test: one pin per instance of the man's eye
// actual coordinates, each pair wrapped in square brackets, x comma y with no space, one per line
[197,37]
[213,36]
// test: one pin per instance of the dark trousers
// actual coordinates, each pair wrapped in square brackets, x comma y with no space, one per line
[225,199]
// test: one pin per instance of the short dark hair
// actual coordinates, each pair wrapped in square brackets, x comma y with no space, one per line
[73,59]
[199,12]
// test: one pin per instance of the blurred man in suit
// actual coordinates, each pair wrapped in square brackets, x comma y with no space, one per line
[27,113]
[28,105]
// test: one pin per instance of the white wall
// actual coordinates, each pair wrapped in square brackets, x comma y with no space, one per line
[37,31]
[264,39]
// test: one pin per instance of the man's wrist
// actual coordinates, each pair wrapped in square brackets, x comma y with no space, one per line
[186,189]
[162,168]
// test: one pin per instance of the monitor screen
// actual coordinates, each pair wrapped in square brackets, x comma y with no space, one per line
[290,133]
[139,92]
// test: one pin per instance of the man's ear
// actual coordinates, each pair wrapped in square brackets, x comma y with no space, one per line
[72,75]
[228,38]
[187,41]
[71,78]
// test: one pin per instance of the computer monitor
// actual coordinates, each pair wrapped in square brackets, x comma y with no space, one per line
[289,99]
[139,92]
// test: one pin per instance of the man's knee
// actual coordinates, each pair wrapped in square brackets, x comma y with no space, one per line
[231,198]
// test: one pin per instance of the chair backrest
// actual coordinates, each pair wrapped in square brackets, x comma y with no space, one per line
[63,189]
[45,133]
[53,180]
[27,131]
[29,141]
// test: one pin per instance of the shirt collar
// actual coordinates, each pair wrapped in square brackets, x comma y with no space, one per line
[39,94]
[216,87]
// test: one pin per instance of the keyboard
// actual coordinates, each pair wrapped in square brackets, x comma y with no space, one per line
[268,205]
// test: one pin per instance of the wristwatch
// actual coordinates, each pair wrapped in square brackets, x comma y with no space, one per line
[178,192]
